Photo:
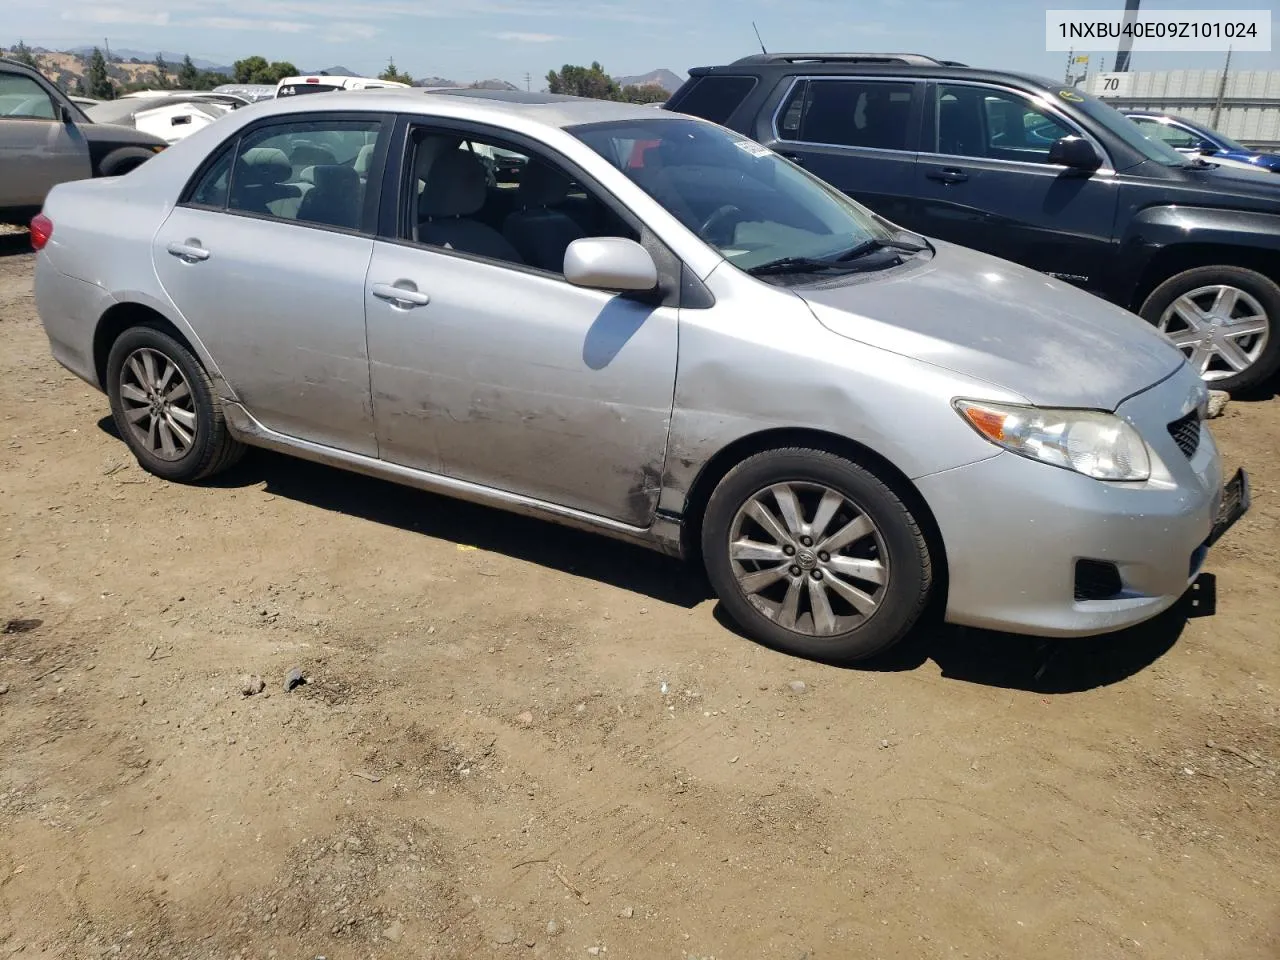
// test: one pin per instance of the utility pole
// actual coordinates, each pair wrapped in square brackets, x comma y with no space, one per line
[1222,92]
[1126,41]
[528,82]
[1071,59]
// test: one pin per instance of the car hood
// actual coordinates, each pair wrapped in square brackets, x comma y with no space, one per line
[993,320]
[117,134]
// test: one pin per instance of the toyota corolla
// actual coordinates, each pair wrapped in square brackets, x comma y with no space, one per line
[652,328]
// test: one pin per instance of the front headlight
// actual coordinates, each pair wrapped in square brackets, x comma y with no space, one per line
[1099,445]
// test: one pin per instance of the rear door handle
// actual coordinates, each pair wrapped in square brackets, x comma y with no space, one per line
[191,251]
[402,293]
[948,175]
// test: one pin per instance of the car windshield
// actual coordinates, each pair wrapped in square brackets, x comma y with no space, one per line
[1123,127]
[1223,141]
[741,198]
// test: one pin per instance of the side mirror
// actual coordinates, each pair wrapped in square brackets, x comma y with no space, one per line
[65,114]
[1206,148]
[609,263]
[1076,153]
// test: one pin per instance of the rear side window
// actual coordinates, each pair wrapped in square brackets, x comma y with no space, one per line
[715,98]
[23,98]
[848,113]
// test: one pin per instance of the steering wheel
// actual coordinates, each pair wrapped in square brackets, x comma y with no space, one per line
[720,217]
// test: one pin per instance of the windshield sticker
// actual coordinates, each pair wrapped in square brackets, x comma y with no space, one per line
[753,148]
[1071,95]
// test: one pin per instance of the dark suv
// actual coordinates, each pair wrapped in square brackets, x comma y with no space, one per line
[1035,172]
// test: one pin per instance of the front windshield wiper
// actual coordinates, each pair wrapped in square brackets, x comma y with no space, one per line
[795,265]
[871,245]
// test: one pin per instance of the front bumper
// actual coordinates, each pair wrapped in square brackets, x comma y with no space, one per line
[1015,529]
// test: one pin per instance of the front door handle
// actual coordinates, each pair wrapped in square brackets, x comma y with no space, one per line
[402,293]
[189,252]
[948,175]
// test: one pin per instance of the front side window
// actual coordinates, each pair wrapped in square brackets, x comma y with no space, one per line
[992,124]
[849,113]
[21,98]
[310,172]
[496,200]
[740,197]
[1176,137]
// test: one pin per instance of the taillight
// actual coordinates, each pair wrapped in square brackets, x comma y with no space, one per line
[41,230]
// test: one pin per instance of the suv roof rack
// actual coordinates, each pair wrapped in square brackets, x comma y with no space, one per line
[913,59]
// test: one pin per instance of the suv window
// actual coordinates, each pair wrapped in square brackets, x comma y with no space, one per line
[496,200]
[313,172]
[974,121]
[23,98]
[1174,136]
[715,98]
[850,113]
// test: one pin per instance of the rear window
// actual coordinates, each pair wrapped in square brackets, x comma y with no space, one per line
[848,113]
[293,89]
[715,98]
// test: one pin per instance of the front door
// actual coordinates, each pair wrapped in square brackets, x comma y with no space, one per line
[986,182]
[857,134]
[37,148]
[266,259]
[487,365]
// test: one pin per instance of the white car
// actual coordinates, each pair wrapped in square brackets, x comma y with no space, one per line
[167,114]
[322,83]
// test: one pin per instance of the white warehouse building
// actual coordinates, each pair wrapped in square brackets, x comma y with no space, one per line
[1250,103]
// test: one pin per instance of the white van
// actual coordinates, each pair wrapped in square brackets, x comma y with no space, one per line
[292,86]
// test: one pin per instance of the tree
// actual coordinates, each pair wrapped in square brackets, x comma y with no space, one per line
[22,53]
[188,75]
[162,72]
[644,93]
[584,82]
[394,75]
[100,87]
[255,69]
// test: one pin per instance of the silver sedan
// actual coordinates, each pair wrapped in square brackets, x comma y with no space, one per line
[647,326]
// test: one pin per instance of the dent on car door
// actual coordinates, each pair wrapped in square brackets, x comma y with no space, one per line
[986,182]
[265,257]
[37,148]
[486,363]
[858,134]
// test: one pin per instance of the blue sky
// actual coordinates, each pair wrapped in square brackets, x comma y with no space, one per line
[476,39]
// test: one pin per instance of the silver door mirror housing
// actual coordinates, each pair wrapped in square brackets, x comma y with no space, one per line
[1074,152]
[609,263]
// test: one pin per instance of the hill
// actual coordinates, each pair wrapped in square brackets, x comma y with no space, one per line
[663,78]
[145,56]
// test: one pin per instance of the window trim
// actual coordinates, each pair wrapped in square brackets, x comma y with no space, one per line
[373,183]
[917,84]
[397,196]
[1045,106]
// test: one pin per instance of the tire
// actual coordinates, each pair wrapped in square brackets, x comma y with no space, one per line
[889,546]
[1253,295]
[189,441]
[119,162]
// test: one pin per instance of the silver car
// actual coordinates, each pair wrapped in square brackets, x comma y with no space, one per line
[660,331]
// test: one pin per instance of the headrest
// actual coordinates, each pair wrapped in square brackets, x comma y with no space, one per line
[541,185]
[363,159]
[455,186]
[305,154]
[334,177]
[263,166]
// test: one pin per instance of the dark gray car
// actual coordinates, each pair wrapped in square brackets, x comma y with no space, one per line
[45,139]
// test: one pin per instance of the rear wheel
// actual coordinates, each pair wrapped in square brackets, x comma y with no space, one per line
[1225,320]
[815,555]
[165,409]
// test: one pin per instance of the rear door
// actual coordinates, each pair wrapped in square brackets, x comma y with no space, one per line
[37,149]
[859,134]
[985,181]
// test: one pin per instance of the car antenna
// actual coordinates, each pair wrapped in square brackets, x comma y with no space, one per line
[761,42]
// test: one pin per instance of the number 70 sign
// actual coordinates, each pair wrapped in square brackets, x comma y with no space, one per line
[1113,84]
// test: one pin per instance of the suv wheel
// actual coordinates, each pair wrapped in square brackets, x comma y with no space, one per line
[165,409]
[815,555]
[1225,320]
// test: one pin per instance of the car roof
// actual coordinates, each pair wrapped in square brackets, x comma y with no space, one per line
[493,106]
[871,64]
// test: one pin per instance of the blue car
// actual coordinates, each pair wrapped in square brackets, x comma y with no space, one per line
[1192,138]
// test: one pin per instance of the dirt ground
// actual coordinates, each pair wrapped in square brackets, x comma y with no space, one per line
[483,763]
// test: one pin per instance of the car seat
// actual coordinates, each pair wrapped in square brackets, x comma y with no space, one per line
[334,198]
[539,231]
[260,179]
[454,193]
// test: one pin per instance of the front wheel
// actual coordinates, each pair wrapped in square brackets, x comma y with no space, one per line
[815,555]
[1225,320]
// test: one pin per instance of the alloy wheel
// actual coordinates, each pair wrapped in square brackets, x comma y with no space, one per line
[1222,329]
[158,405]
[809,558]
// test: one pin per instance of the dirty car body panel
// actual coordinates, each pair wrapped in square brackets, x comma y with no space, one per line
[457,373]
